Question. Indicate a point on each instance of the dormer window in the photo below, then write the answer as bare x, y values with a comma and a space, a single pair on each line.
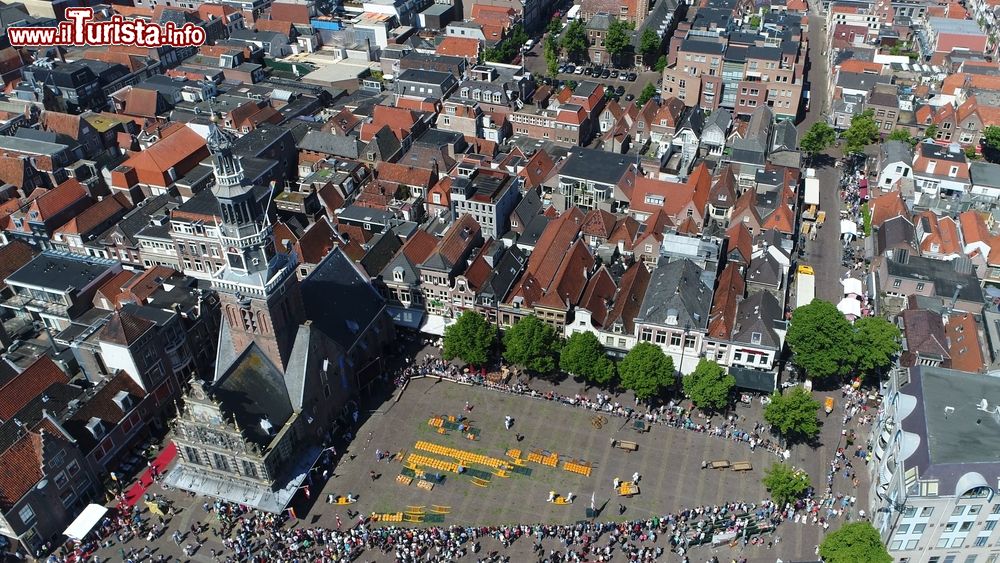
755, 338
124, 401
397, 274
96, 427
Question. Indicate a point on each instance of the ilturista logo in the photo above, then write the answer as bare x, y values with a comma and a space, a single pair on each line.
80, 30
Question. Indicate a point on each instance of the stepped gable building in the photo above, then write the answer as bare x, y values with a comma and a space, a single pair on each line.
250, 432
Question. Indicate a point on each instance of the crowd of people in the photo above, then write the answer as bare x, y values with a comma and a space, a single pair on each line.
673, 414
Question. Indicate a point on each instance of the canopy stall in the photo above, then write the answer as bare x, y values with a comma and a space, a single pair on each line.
850, 307
848, 228
86, 522
852, 286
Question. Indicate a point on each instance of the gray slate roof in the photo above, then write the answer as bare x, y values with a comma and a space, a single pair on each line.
340, 300
347, 146
755, 320
677, 289
896, 151
985, 174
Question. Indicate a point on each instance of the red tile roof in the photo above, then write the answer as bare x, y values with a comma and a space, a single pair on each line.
728, 294
887, 206
419, 247
598, 297
94, 216
551, 250
963, 342
124, 329
179, 148
28, 385
112, 290
147, 283
399, 120
405, 174
462, 234
13, 256
459, 47
318, 240
599, 223
20, 469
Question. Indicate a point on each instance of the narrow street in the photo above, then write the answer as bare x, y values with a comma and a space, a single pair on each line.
826, 252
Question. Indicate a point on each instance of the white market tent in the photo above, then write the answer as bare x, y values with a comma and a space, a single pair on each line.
812, 191
852, 286
86, 521
850, 307
848, 227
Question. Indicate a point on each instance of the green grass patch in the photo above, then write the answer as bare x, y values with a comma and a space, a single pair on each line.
866, 217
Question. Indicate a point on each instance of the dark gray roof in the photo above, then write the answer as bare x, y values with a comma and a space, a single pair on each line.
677, 289
785, 136
704, 47
954, 443
533, 231
504, 275
721, 118
766, 53
765, 270
753, 379
896, 151
742, 156
755, 320
693, 119
252, 390
347, 146
529, 206
945, 275
600, 22
340, 300
985, 174
595, 165
951, 153
61, 271
425, 76
895, 233
386, 143
736, 54
861, 81
135, 220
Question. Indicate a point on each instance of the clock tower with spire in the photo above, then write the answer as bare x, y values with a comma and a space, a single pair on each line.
260, 296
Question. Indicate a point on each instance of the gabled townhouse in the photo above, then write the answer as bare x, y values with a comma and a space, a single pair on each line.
683, 203
675, 311
90, 223
119, 241
556, 274
941, 171
715, 132
894, 163
758, 337
400, 279
729, 291
900, 274
449, 259
38, 218
611, 317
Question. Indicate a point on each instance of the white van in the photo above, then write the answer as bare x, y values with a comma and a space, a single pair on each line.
529, 44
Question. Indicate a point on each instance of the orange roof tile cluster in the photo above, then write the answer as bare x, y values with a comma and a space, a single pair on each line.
399, 120
13, 256
677, 197
964, 346
179, 148
887, 206
459, 47
730, 289
939, 234
555, 275
28, 385
96, 215
20, 469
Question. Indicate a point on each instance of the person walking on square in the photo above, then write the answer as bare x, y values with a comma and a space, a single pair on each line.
508, 422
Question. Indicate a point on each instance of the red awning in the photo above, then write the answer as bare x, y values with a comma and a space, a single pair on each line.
863, 183
863, 192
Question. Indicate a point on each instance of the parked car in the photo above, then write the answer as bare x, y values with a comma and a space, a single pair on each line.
632, 76
620, 90
614, 74
579, 70
605, 73
562, 69
588, 72
629, 97
569, 69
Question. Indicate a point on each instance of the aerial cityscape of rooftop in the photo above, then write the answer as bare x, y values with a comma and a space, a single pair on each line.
500, 281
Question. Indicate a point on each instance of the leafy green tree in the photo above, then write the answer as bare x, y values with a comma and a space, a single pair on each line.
661, 63
583, 355
786, 484
469, 339
991, 137
574, 40
876, 343
817, 138
793, 414
991, 143
554, 27
649, 44
646, 370
619, 38
900, 135
532, 344
551, 52
857, 541
931, 132
709, 386
820, 339
862, 132
755, 21
647, 94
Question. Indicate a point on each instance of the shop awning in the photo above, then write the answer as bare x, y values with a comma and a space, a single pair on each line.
754, 379
848, 227
407, 318
852, 286
435, 324
849, 306
86, 522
